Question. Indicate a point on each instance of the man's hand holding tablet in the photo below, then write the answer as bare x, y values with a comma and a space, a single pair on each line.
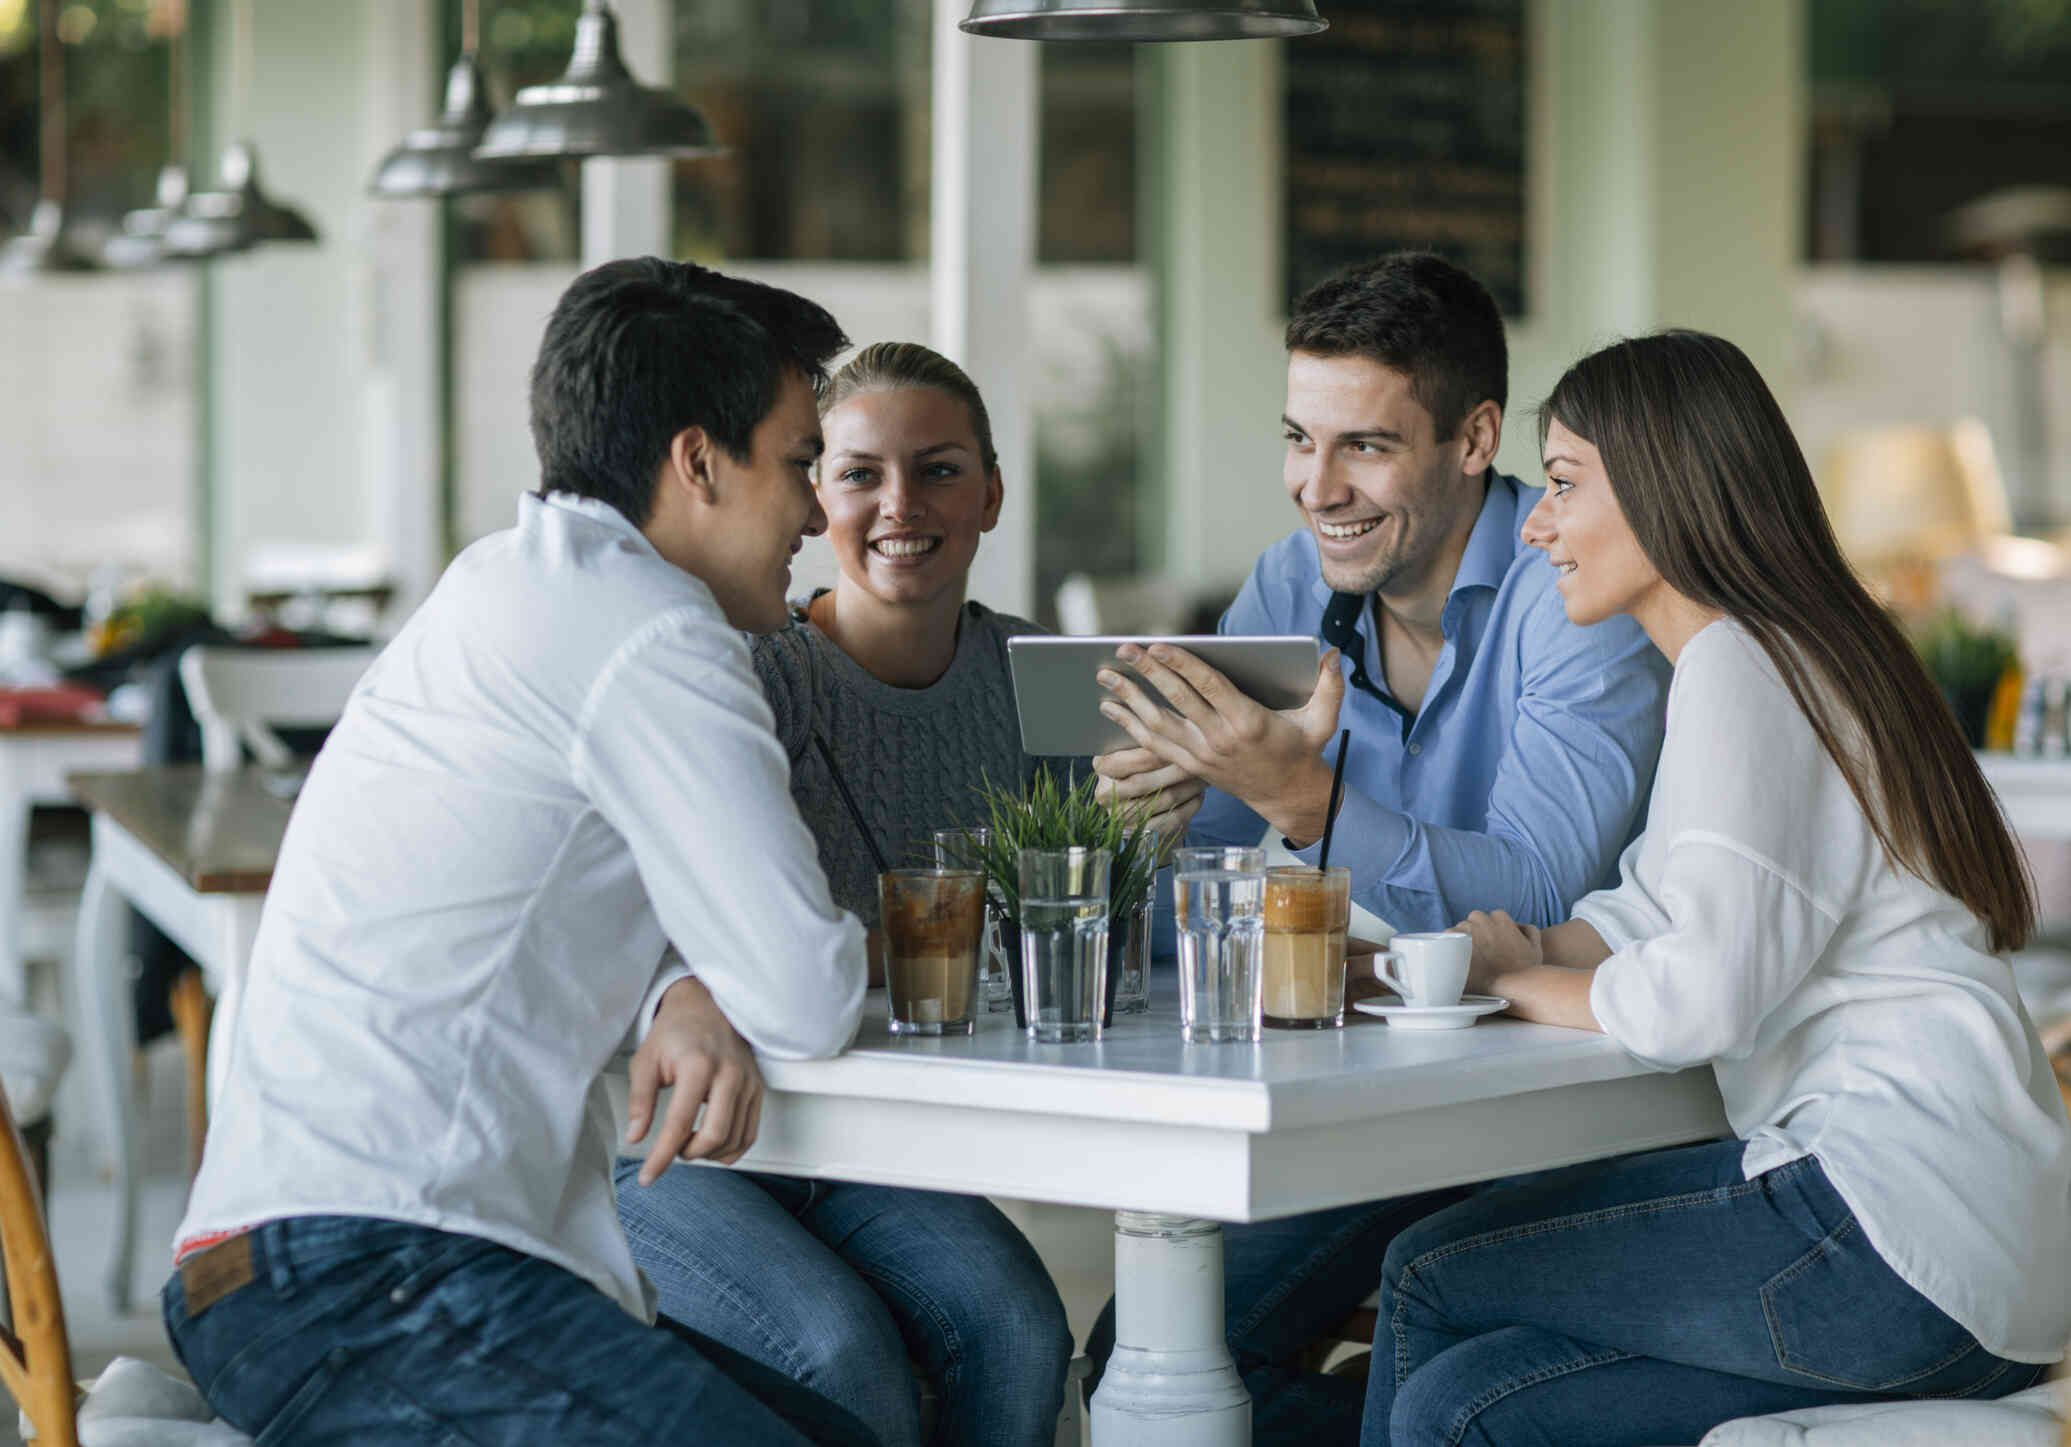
1209, 731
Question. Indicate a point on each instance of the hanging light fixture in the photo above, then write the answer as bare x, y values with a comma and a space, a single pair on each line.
1143, 19
439, 159
237, 215
49, 244
141, 241
597, 108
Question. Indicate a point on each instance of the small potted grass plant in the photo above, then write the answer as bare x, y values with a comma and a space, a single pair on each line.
1050, 815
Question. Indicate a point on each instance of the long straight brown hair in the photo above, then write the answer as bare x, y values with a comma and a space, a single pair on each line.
1718, 494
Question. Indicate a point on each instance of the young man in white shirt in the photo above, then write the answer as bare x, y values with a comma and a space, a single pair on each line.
552, 827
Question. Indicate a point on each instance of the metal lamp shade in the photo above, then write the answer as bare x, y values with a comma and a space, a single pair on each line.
48, 245
236, 217
440, 159
141, 242
1143, 19
597, 108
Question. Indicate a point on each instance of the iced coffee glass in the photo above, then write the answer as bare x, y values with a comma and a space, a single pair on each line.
933, 927
1307, 912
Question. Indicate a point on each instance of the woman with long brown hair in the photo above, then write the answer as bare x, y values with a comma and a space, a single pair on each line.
1819, 910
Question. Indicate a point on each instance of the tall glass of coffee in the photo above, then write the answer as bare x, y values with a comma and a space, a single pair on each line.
1307, 914
933, 925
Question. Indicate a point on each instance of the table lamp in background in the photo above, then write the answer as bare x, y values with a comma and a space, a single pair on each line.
1905, 498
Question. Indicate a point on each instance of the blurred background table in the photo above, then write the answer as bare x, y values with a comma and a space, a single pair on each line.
34, 760
193, 851
2034, 792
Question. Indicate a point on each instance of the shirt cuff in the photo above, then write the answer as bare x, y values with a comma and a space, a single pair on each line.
1368, 838
1618, 929
669, 975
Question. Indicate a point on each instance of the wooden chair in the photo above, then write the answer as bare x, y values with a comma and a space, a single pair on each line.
36, 1355
239, 695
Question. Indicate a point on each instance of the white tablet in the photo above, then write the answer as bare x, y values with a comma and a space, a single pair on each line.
1059, 700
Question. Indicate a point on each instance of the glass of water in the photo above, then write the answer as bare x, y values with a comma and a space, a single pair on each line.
1064, 942
965, 849
1219, 897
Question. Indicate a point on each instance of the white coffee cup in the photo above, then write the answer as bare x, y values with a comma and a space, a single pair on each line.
1430, 970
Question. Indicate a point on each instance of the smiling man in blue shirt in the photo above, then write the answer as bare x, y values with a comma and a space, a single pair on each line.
1500, 755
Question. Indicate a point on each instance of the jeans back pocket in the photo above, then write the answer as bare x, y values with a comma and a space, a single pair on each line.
1839, 1315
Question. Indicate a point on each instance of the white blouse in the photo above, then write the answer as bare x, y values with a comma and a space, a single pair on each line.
1850, 1010
552, 796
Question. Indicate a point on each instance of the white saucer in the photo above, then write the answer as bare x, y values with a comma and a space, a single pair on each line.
1432, 1017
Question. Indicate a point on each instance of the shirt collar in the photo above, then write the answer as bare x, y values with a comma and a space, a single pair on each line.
595, 509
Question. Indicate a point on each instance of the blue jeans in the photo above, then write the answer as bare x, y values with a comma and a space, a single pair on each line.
843, 1287
356, 1330
1646, 1300
1286, 1283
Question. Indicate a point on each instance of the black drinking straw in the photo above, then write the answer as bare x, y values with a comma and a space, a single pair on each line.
1337, 793
855, 811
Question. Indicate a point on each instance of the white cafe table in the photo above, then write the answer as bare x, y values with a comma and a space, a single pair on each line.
34, 760
1174, 1138
2034, 792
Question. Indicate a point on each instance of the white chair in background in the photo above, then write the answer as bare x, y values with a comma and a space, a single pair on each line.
240, 694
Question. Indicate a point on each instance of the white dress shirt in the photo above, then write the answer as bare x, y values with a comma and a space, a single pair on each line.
1850, 1010
561, 767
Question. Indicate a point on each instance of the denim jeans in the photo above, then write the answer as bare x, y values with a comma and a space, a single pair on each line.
355, 1330
843, 1286
1646, 1300
1286, 1283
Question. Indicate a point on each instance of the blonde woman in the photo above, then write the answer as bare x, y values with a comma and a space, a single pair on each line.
906, 681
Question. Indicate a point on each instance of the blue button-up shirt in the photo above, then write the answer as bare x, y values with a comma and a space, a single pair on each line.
1527, 769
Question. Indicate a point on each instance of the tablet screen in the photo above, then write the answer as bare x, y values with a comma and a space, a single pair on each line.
1059, 699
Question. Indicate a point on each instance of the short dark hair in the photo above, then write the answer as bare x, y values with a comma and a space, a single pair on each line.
1419, 315
638, 350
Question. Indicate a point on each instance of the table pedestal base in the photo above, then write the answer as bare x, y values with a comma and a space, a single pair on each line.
1170, 1382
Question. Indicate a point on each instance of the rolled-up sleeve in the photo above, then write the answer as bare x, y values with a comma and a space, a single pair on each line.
1740, 937
676, 752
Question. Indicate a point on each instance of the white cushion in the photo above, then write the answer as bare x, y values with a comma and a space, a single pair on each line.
134, 1404
2033, 1418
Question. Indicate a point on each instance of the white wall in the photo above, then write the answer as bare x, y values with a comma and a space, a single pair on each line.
321, 374
97, 408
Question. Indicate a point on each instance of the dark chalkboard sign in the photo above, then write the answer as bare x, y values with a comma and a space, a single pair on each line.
1405, 130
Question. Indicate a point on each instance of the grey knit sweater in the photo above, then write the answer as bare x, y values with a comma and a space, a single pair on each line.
912, 756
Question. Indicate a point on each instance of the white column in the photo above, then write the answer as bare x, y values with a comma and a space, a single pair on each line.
399, 285
1226, 373
982, 238
1170, 1381
625, 199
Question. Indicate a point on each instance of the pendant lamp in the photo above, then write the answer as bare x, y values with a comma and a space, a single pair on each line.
49, 244
597, 108
1143, 19
237, 215
141, 241
439, 159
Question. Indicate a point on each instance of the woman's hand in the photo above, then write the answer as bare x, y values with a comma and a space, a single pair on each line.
1501, 946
